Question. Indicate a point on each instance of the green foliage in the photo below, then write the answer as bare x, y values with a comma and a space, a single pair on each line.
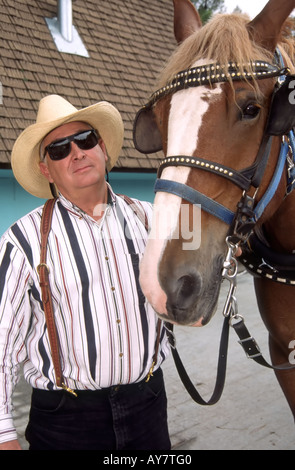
207, 8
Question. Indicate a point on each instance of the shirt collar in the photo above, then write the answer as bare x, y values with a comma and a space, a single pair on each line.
79, 212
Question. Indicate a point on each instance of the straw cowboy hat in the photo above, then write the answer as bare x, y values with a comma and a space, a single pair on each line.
53, 112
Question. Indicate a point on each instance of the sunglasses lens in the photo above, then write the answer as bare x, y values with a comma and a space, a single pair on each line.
59, 150
85, 140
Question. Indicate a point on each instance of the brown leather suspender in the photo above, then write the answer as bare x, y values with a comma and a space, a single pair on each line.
43, 272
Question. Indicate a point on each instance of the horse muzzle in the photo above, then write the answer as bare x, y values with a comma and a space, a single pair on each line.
191, 295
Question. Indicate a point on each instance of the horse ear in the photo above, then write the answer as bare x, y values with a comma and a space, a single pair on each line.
146, 135
186, 19
266, 27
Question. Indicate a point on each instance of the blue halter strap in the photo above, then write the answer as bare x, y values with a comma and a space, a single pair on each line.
195, 197
218, 210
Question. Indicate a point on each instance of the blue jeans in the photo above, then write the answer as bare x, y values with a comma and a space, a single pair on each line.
127, 417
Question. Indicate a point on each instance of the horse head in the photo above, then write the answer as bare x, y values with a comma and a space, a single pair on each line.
218, 117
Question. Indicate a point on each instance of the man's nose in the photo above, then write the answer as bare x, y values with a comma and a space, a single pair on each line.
76, 152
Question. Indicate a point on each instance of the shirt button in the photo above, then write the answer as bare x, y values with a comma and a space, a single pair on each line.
118, 321
121, 354
107, 258
112, 288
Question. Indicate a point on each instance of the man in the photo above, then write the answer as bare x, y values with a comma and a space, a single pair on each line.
107, 337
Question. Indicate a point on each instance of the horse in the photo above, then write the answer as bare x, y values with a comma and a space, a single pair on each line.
223, 115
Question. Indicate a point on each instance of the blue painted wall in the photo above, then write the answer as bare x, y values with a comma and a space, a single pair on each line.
16, 202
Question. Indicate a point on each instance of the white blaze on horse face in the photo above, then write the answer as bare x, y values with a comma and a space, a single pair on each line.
188, 108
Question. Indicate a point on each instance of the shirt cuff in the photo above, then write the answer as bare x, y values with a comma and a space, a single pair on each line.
7, 429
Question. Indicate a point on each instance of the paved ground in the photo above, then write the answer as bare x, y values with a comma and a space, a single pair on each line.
252, 413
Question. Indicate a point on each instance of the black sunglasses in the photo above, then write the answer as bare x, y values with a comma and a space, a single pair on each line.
60, 149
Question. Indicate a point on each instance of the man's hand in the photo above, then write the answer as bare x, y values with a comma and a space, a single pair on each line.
10, 445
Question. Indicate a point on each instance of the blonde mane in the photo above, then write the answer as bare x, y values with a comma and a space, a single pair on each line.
224, 38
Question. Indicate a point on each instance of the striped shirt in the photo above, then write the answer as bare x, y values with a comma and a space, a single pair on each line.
106, 328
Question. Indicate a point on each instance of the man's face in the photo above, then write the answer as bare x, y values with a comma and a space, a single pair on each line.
81, 169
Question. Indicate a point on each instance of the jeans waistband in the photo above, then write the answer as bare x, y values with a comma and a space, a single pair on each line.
157, 376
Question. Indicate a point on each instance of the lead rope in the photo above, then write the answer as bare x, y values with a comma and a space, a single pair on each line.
229, 272
221, 368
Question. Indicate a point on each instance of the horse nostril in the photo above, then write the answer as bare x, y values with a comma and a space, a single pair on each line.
187, 291
186, 285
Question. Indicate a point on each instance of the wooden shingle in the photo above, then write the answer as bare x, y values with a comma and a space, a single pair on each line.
128, 43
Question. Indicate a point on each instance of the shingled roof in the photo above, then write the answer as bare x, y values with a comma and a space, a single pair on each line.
128, 42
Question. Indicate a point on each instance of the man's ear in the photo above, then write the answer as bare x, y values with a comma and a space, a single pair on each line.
45, 171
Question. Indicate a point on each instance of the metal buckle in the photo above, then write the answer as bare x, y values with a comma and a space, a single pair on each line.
229, 272
171, 336
40, 265
254, 345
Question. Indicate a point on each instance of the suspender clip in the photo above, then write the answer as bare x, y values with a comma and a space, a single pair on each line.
150, 374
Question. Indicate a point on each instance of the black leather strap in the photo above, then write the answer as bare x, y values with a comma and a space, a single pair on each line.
249, 345
252, 349
221, 369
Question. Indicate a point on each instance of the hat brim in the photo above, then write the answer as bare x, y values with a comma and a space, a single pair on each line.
25, 157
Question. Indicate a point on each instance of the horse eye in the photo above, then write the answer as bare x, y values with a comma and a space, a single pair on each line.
250, 112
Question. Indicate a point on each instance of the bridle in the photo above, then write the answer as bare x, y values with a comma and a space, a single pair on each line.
248, 213
242, 223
